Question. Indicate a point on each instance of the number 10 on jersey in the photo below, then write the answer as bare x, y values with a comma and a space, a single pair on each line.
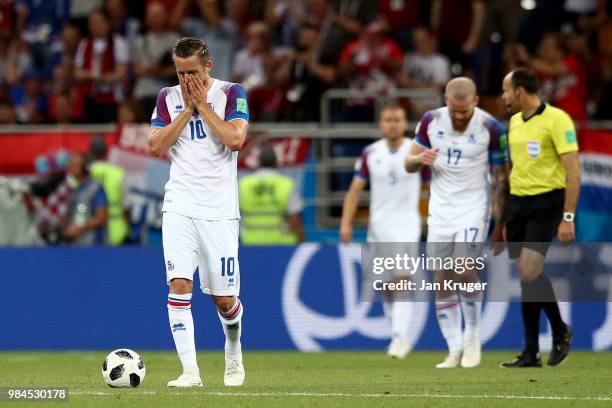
197, 130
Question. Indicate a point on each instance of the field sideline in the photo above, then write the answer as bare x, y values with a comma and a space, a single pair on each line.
361, 379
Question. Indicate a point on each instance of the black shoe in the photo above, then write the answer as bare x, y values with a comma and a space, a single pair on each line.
524, 360
561, 348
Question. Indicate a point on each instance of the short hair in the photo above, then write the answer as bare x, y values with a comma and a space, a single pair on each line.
188, 46
267, 158
392, 107
526, 79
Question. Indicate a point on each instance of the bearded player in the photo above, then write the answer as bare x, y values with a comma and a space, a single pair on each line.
202, 122
394, 210
460, 143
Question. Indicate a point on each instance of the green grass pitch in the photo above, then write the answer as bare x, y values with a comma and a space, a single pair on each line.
291, 379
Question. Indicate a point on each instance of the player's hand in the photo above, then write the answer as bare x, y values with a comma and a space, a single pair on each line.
498, 239
566, 232
73, 231
428, 156
183, 80
346, 234
198, 92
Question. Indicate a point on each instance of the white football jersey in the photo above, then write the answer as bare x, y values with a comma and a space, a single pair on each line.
394, 193
203, 174
460, 175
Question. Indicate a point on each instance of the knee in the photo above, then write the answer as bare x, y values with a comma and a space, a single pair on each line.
224, 303
527, 273
181, 286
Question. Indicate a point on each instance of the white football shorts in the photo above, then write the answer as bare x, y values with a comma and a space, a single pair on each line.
211, 246
460, 241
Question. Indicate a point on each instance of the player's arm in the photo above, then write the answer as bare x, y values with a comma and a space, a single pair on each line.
231, 133
419, 156
501, 177
162, 138
165, 132
566, 232
349, 208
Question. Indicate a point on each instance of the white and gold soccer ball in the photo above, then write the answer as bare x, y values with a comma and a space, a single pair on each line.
123, 368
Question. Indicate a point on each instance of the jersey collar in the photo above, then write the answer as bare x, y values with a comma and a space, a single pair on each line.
537, 112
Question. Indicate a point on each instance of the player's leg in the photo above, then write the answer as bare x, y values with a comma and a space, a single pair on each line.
401, 312
220, 277
180, 246
448, 314
448, 311
471, 245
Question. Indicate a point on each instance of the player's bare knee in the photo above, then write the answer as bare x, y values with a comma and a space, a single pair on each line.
224, 303
181, 286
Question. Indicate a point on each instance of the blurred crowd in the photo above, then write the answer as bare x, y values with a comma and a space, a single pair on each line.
99, 61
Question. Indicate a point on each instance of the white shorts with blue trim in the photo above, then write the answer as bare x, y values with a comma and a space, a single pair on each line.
210, 246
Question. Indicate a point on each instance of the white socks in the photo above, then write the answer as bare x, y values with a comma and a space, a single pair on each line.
401, 312
231, 322
181, 324
471, 305
448, 313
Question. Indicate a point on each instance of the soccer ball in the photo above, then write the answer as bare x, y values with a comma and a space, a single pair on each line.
123, 368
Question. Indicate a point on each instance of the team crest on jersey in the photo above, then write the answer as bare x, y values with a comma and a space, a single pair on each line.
440, 134
178, 108
471, 139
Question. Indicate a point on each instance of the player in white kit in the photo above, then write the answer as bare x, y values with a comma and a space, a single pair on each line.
460, 143
203, 122
394, 207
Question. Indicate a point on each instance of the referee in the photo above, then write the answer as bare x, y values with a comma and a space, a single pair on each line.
544, 187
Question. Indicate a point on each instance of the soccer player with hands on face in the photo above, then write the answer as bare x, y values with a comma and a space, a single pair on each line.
202, 122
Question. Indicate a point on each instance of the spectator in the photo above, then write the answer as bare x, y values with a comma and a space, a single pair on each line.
267, 101
152, 53
308, 72
370, 63
603, 97
87, 213
345, 19
284, 17
270, 206
401, 17
39, 23
101, 69
458, 25
120, 22
585, 15
61, 111
425, 68
31, 103
563, 76
112, 179
221, 34
131, 112
14, 60
7, 113
249, 63
63, 56
7, 17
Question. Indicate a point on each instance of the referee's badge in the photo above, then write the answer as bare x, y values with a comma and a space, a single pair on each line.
533, 148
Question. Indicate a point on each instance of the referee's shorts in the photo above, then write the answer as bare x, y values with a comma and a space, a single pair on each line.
532, 221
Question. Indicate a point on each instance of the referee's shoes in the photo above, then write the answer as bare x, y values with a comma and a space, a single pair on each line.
559, 352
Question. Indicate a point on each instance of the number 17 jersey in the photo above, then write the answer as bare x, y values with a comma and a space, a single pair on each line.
460, 174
